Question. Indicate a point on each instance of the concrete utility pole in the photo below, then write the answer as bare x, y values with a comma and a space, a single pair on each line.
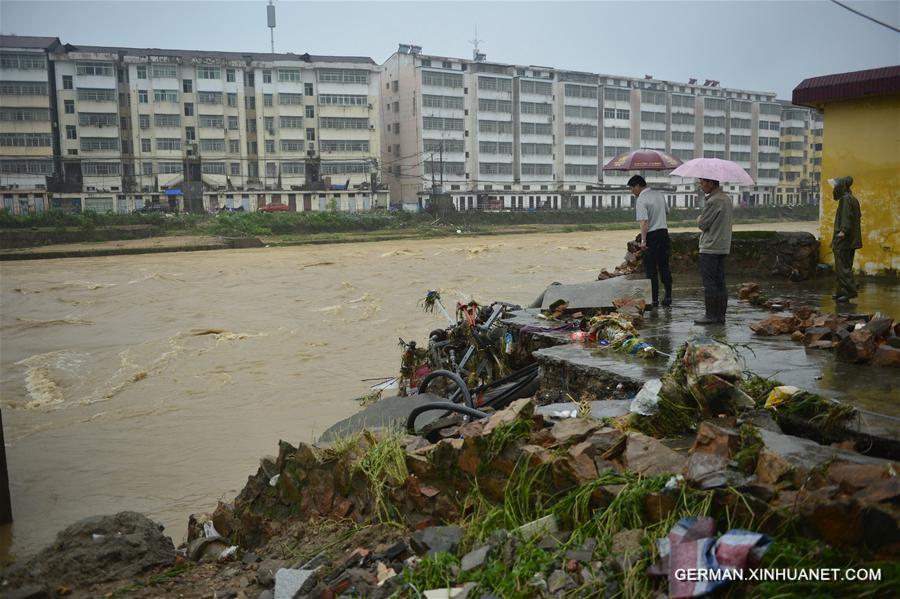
442, 165
5, 504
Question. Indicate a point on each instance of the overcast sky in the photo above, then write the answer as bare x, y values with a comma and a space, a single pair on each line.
747, 44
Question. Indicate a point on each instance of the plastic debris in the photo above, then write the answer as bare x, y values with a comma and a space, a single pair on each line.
692, 544
209, 530
780, 395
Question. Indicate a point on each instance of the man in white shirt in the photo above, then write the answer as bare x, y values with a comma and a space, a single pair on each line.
650, 209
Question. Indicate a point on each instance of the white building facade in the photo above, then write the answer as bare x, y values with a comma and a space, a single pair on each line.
498, 136
203, 130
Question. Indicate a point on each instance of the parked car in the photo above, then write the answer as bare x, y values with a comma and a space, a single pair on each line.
275, 208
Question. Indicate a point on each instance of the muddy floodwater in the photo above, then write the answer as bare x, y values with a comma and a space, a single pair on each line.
155, 382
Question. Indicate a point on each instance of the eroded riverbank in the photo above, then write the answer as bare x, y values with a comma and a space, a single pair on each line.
155, 382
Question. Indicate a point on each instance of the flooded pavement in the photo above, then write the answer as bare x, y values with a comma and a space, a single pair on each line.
866, 386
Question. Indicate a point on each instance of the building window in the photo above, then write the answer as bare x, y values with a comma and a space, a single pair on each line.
166, 120
232, 100
344, 146
144, 121
292, 75
141, 71
229, 75
212, 121
164, 71
71, 132
250, 103
101, 69
291, 122
165, 95
67, 82
270, 146
169, 168
234, 146
168, 144
147, 168
212, 145
287, 99
267, 76
344, 76
267, 99
188, 109
145, 145
311, 134
308, 89
190, 134
143, 98
233, 123
187, 86
209, 73
69, 106
310, 112
209, 97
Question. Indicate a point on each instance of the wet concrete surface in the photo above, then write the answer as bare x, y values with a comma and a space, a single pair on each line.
865, 386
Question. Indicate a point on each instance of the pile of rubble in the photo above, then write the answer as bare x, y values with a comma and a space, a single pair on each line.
632, 264
855, 338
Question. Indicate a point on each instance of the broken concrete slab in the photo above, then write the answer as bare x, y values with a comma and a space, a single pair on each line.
786, 455
290, 582
611, 408
598, 294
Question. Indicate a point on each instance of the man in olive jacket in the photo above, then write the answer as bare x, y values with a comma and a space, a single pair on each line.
715, 222
847, 238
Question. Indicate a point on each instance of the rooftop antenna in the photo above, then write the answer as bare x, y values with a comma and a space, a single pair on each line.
476, 55
270, 14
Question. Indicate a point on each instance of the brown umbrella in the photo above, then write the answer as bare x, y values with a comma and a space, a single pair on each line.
642, 160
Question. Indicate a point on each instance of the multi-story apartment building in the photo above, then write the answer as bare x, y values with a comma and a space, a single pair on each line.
510, 136
211, 129
27, 120
801, 155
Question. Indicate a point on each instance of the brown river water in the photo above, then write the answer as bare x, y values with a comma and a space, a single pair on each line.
155, 382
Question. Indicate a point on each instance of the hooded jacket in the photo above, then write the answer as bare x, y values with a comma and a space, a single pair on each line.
846, 217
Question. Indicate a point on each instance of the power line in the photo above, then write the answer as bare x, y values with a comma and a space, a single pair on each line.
865, 16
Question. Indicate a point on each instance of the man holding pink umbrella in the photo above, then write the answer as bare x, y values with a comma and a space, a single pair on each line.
715, 222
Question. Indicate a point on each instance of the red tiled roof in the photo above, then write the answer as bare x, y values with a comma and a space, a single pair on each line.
814, 91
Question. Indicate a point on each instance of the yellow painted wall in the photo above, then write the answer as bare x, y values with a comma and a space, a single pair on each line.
862, 139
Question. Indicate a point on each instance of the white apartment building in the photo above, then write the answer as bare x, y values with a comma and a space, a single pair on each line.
525, 137
208, 130
26, 127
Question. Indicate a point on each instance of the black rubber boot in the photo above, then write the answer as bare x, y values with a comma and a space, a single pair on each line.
711, 316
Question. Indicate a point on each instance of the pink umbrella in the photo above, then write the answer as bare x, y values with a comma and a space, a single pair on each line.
715, 169
642, 160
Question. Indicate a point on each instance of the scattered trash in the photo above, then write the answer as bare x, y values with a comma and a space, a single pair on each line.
228, 552
274, 480
209, 529
691, 544
779, 395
